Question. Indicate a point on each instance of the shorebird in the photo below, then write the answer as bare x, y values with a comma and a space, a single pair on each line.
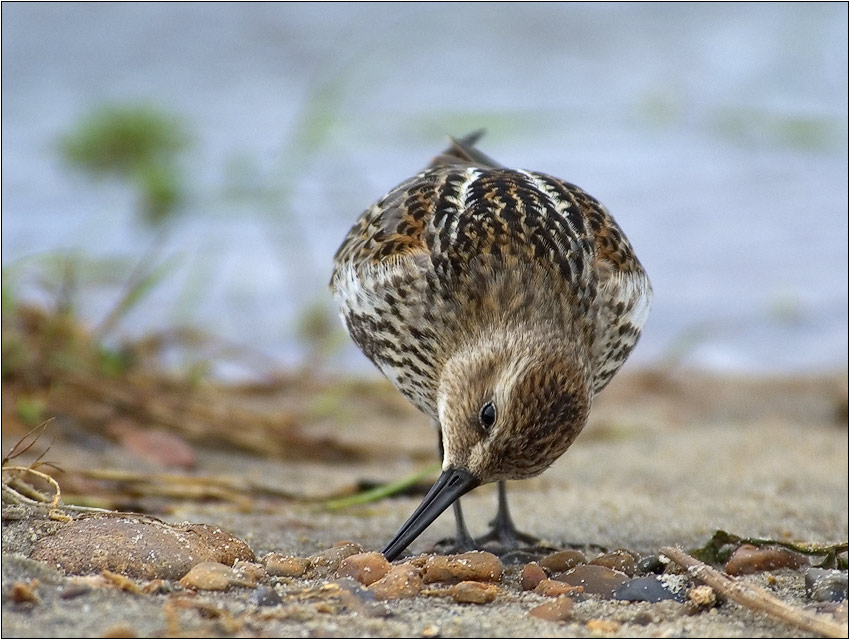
499, 302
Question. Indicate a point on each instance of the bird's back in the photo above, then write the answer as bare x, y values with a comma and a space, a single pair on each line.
467, 246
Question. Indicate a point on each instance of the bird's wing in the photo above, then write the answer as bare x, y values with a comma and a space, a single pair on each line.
623, 291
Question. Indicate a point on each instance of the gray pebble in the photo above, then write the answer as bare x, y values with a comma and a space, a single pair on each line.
826, 585
265, 597
650, 564
645, 589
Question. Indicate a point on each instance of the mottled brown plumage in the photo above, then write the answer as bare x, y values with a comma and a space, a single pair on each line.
472, 285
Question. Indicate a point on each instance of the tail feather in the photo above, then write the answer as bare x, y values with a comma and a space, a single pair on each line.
462, 152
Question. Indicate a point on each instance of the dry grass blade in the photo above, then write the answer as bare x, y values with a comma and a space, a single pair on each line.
754, 598
27, 441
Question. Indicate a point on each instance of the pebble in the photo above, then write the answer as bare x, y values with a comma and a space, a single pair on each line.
594, 579
651, 564
473, 592
137, 547
250, 573
556, 611
359, 600
431, 631
402, 581
645, 589
554, 588
562, 560
826, 585
479, 566
366, 568
750, 559
280, 565
209, 576
702, 596
619, 560
74, 590
265, 597
531, 576
327, 562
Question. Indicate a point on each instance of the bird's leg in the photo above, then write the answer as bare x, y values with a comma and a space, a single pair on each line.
463, 541
504, 530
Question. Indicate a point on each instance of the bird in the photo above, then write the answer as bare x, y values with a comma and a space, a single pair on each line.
499, 302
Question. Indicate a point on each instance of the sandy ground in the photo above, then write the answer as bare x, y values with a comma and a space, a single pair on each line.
667, 459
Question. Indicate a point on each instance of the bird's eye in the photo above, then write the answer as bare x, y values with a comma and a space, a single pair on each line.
487, 415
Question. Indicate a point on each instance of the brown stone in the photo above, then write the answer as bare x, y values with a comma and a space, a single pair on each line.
138, 547
402, 581
366, 568
618, 561
562, 560
209, 576
750, 559
277, 564
558, 610
531, 576
327, 561
594, 579
249, 574
479, 566
554, 588
473, 592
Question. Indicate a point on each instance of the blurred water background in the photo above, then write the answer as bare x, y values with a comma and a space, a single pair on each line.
715, 133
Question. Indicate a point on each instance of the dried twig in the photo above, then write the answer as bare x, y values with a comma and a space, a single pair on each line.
755, 598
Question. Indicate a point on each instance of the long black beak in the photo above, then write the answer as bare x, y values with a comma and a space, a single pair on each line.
450, 486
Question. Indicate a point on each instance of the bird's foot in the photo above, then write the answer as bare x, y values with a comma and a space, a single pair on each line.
511, 545
458, 544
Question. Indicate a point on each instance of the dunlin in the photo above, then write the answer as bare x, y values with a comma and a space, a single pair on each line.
499, 302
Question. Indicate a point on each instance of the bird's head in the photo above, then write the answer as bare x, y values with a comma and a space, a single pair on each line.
509, 405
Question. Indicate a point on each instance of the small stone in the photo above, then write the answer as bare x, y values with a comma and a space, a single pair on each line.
265, 597
531, 576
558, 610
327, 562
280, 565
645, 589
562, 560
249, 573
402, 581
603, 626
473, 592
431, 631
750, 559
826, 585
358, 599
366, 568
702, 596
479, 566
619, 560
23, 592
554, 588
74, 589
594, 579
651, 564
209, 576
